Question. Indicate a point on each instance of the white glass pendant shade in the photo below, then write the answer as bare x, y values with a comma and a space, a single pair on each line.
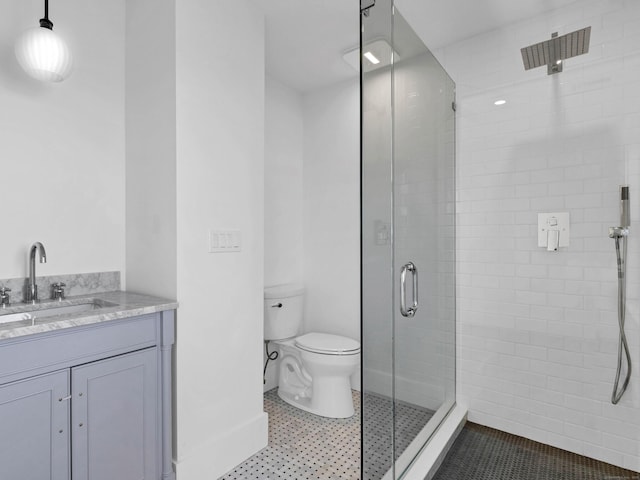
43, 55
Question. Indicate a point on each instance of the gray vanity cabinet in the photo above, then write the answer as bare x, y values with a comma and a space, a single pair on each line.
90, 402
113, 413
38, 406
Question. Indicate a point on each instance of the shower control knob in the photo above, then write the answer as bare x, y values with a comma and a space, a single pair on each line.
276, 305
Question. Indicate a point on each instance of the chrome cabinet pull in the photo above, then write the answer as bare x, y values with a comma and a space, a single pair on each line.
411, 311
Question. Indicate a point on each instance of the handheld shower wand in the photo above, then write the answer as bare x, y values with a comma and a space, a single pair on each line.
619, 234
625, 216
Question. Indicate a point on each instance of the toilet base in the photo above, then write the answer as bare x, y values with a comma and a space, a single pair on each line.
305, 403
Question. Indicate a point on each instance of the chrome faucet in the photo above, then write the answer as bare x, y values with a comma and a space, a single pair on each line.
32, 288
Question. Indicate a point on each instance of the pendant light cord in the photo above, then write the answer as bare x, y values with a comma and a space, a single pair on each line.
45, 22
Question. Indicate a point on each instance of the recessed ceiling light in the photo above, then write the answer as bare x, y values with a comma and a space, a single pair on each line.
499, 102
377, 54
371, 57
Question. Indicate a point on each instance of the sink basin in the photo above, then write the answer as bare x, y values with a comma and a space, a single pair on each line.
30, 313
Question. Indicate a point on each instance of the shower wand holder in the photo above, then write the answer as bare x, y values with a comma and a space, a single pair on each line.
618, 232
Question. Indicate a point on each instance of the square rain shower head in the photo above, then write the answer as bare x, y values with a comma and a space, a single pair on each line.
554, 51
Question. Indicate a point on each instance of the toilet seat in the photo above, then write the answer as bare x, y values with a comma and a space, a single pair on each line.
327, 344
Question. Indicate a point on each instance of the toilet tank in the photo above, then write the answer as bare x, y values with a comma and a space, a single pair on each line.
283, 311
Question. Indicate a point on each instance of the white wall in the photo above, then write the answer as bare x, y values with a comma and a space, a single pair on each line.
537, 331
63, 155
283, 208
331, 209
220, 185
195, 162
151, 148
312, 189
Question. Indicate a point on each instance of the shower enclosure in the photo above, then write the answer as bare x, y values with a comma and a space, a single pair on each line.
408, 242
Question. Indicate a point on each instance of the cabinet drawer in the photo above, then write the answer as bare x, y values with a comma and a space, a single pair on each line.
32, 355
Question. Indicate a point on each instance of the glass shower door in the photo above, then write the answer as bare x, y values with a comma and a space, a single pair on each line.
408, 243
377, 244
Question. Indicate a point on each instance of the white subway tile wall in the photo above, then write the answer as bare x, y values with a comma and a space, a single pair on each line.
537, 330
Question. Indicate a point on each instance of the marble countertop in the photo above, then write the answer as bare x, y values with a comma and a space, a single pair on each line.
117, 305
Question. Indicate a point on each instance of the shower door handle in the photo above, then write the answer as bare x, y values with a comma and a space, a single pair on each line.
411, 311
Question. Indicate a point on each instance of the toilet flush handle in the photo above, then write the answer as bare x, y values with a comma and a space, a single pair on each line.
276, 305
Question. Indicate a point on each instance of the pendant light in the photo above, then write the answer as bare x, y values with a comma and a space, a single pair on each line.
42, 53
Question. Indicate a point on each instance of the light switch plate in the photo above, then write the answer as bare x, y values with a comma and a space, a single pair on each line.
553, 221
221, 241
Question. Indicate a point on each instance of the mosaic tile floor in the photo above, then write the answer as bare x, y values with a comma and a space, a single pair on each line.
410, 420
303, 446
482, 453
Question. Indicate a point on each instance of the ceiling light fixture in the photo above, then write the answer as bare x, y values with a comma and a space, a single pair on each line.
499, 102
42, 53
371, 57
378, 54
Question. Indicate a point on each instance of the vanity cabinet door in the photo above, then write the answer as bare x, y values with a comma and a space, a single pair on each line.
114, 418
34, 434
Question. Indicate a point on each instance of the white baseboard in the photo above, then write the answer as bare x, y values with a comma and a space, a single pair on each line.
222, 453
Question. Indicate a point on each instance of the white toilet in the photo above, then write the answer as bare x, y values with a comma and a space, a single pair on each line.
314, 367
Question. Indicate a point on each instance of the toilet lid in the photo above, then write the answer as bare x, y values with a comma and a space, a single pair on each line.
328, 344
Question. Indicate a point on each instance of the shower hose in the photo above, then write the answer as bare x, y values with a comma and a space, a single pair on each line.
617, 393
